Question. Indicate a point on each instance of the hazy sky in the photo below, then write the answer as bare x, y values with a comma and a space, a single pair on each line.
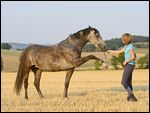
51, 22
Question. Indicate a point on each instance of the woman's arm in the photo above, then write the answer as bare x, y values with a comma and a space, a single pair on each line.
116, 51
132, 57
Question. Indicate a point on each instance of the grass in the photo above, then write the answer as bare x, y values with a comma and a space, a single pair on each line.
10, 60
142, 50
88, 91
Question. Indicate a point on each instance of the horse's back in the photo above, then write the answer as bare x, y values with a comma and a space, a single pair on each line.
52, 58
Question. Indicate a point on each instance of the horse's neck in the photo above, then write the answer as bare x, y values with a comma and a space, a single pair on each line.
75, 42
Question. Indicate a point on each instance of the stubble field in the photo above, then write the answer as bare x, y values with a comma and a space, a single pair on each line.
88, 91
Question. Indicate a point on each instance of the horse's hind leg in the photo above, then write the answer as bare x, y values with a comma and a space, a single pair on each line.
67, 80
26, 83
37, 73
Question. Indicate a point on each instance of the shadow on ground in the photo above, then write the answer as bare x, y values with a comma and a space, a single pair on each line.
114, 89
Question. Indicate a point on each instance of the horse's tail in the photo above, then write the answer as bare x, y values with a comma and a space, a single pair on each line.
19, 80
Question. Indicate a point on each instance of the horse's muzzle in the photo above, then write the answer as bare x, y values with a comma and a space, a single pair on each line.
104, 49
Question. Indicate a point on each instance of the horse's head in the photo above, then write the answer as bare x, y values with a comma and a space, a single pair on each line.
95, 38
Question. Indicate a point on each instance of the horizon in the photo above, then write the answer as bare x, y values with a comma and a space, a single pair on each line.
61, 40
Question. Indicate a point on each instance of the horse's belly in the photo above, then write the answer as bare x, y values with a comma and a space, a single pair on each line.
59, 65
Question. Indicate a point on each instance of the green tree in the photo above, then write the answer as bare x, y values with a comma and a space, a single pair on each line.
89, 48
114, 43
5, 46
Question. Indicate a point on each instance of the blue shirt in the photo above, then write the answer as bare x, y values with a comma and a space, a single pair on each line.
127, 53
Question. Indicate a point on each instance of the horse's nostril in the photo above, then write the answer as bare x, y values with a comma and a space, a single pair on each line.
105, 48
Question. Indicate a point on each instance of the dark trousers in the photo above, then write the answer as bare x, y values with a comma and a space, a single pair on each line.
127, 77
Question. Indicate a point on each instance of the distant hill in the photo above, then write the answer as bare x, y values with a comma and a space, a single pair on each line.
16, 46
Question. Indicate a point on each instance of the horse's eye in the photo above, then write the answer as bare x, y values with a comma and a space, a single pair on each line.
97, 36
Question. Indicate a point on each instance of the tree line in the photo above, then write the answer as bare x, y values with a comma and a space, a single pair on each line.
114, 43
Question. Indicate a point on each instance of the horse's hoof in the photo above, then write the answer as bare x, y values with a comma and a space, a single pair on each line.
26, 98
102, 61
132, 98
65, 97
41, 96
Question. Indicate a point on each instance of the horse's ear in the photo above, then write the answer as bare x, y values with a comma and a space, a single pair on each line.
90, 28
70, 34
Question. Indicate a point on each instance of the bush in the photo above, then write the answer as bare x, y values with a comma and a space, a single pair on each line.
143, 62
114, 62
121, 59
114, 43
117, 60
97, 65
2, 64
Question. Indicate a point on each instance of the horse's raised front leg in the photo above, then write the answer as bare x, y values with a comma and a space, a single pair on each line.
85, 59
67, 80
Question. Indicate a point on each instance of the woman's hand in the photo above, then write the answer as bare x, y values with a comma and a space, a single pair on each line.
108, 51
124, 63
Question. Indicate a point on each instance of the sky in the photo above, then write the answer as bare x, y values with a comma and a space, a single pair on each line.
49, 22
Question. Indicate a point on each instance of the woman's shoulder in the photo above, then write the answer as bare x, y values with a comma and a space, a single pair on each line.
130, 46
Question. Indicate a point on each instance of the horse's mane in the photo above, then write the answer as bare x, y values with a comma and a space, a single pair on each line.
79, 35
84, 32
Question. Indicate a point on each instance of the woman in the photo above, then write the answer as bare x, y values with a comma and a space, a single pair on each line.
129, 64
